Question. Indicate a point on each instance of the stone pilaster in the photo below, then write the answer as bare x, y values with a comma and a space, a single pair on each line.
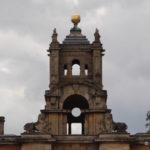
69, 73
82, 72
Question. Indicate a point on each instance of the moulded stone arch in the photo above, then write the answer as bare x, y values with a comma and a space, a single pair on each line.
72, 91
75, 101
75, 61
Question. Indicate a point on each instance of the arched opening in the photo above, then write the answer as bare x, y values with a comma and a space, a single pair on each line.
75, 101
75, 67
75, 117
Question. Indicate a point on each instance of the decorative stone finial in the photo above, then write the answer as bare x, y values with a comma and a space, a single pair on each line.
54, 36
54, 45
97, 42
75, 19
54, 31
97, 36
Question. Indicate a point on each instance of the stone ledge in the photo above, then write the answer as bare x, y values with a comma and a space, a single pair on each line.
44, 138
9, 139
140, 138
75, 139
83, 111
113, 137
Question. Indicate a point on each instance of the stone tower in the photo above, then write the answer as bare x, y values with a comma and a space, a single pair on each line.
75, 97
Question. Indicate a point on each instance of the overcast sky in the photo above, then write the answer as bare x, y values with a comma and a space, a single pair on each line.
25, 33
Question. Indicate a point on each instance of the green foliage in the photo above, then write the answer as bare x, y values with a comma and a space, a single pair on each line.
148, 121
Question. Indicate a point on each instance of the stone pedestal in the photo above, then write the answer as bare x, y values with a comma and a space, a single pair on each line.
2, 120
114, 142
36, 142
36, 146
114, 146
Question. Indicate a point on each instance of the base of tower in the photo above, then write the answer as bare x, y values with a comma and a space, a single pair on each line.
113, 141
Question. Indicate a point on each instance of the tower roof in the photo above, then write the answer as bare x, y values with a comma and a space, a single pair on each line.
75, 36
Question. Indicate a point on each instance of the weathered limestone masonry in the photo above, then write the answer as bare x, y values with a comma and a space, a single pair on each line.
75, 98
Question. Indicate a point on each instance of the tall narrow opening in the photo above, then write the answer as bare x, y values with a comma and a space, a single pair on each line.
86, 70
65, 70
76, 128
75, 116
75, 67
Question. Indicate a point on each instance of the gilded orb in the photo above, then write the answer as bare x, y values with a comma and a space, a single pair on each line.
75, 18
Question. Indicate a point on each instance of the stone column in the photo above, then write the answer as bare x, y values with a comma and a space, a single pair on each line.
82, 128
69, 73
82, 70
69, 128
2, 120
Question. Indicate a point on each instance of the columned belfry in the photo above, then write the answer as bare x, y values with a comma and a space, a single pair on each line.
75, 84
76, 110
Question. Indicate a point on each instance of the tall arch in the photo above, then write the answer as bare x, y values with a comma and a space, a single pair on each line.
76, 67
79, 103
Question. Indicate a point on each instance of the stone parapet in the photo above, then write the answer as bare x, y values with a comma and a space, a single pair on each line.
37, 142
114, 141
140, 138
114, 137
75, 139
42, 138
9, 139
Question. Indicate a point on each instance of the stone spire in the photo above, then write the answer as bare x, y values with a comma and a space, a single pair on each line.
54, 36
97, 42
97, 36
54, 45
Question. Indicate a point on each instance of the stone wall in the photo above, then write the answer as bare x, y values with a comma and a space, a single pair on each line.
36, 146
114, 146
10, 147
75, 146
140, 147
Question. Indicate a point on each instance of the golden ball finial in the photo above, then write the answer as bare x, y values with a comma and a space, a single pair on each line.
75, 18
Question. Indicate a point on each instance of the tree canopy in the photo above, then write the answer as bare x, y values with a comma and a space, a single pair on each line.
148, 121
